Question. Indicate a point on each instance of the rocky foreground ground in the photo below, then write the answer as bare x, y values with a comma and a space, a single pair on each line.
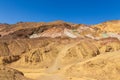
60, 51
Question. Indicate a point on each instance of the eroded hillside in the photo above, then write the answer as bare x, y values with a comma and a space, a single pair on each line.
60, 51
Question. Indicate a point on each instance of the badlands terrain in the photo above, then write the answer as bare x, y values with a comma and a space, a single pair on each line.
60, 51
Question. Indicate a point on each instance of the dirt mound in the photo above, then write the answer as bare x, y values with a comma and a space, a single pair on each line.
102, 67
11, 74
83, 50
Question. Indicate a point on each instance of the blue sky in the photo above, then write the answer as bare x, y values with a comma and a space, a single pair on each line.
75, 11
